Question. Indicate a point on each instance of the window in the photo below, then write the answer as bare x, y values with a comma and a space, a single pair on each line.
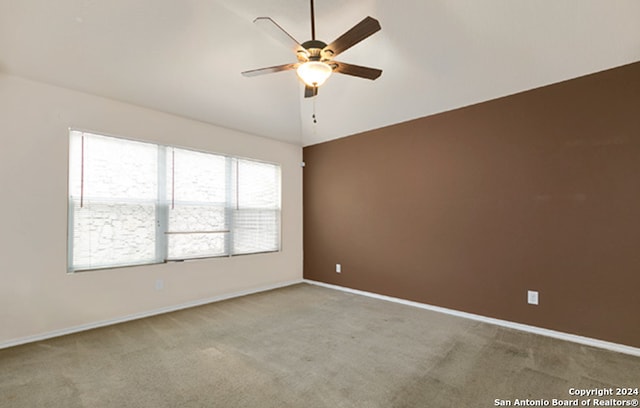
136, 203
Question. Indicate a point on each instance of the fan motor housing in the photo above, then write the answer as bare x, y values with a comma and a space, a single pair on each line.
315, 48
311, 44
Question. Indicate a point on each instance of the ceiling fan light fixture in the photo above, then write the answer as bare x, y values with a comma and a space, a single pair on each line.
314, 73
315, 58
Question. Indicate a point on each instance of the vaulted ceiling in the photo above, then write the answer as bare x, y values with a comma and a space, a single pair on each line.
185, 56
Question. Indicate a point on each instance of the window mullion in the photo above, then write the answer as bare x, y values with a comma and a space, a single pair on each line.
230, 202
162, 206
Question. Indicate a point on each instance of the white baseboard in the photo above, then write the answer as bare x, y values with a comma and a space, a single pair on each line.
135, 316
620, 348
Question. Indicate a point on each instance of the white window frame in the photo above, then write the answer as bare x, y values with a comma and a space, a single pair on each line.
162, 207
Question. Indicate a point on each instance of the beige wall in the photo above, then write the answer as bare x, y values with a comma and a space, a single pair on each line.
37, 296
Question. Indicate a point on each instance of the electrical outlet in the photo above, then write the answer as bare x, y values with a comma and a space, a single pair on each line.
532, 297
338, 268
159, 284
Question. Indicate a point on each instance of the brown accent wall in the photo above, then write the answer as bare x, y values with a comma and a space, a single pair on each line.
470, 208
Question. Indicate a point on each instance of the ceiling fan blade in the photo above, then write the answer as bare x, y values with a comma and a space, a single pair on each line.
269, 70
357, 33
310, 91
356, 70
279, 34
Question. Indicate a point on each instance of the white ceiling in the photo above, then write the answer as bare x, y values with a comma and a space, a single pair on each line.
185, 56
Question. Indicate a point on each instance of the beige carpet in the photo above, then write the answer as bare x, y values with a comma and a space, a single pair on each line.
303, 346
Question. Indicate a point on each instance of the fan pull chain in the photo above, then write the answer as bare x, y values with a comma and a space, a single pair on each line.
315, 121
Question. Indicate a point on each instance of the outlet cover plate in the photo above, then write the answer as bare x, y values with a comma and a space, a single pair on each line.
532, 297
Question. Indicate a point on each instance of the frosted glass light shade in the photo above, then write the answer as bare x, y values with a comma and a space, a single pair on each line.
314, 73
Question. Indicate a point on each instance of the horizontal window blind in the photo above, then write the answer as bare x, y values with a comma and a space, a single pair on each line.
257, 213
112, 195
138, 203
198, 225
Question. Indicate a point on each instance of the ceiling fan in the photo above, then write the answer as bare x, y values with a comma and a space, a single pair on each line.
315, 58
